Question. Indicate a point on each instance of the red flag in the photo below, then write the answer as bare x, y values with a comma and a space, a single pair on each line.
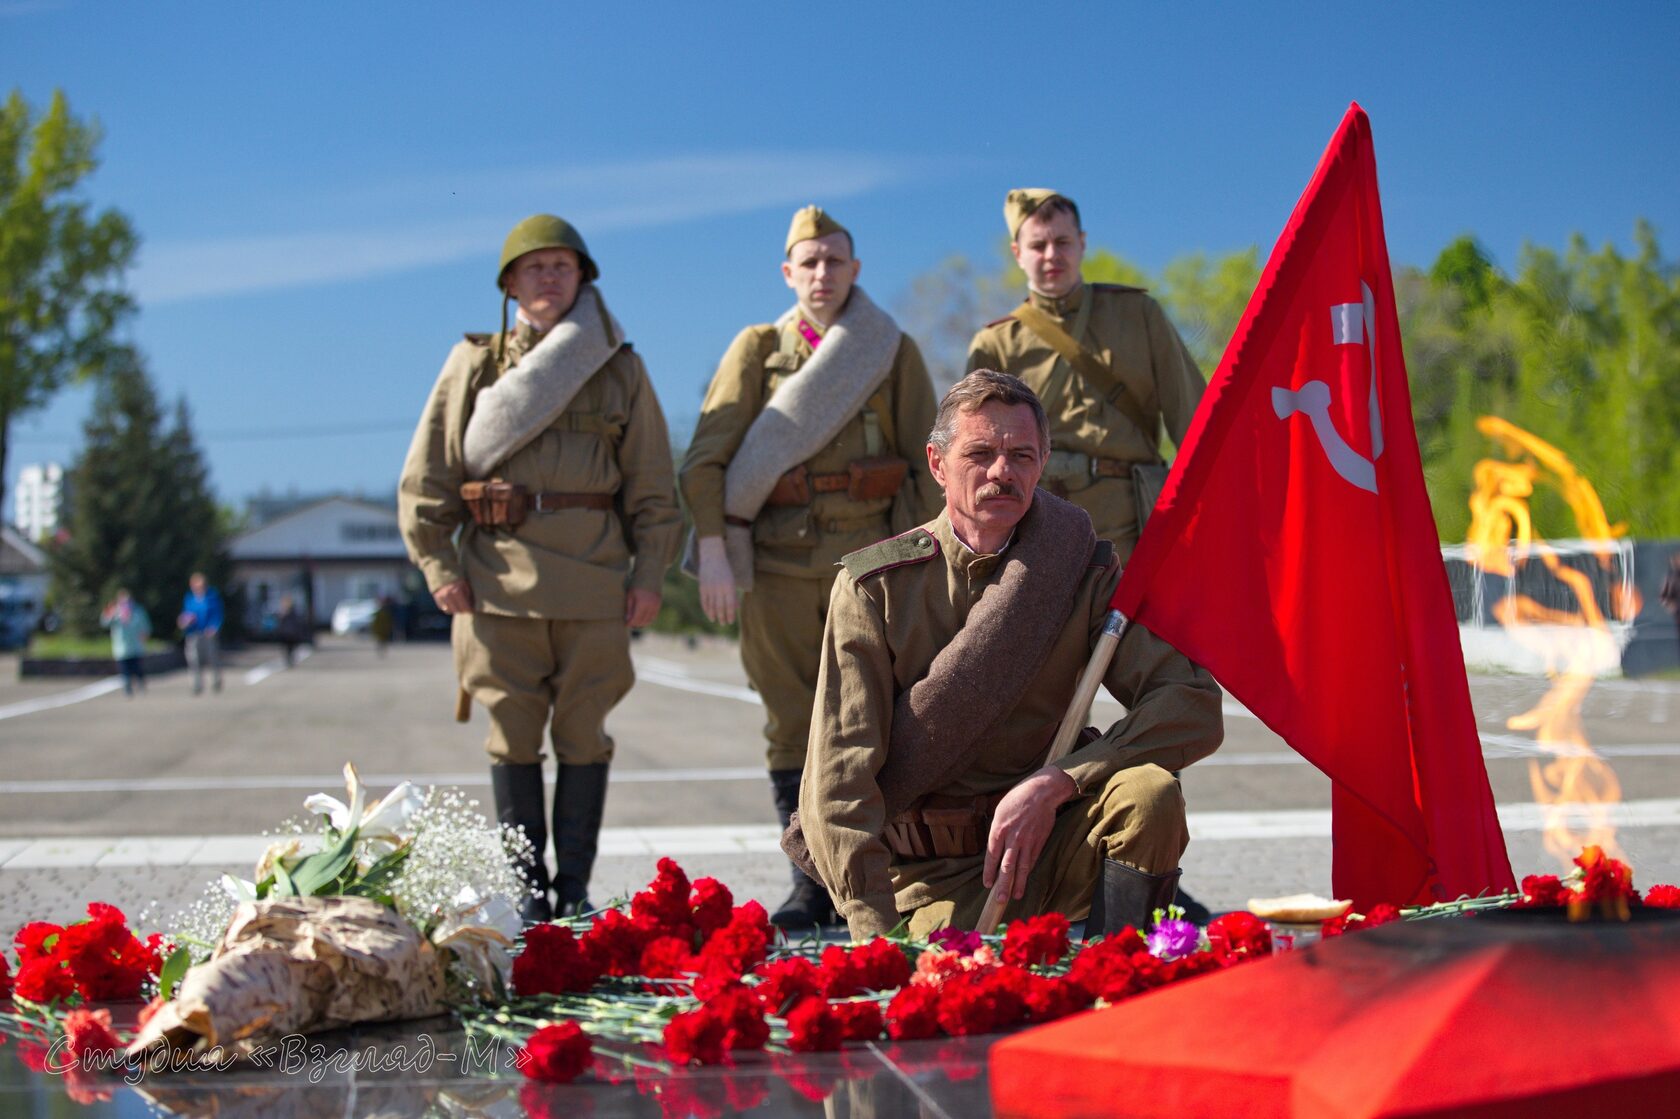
1293, 553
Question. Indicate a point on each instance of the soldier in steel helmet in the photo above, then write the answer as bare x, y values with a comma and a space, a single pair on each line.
1108, 365
538, 501
809, 445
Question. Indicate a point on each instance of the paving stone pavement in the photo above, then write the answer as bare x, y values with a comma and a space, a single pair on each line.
160, 773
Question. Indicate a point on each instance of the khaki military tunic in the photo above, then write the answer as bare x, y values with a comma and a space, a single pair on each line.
884, 629
1131, 336
796, 548
547, 644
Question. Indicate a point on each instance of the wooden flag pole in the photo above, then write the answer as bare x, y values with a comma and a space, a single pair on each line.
1073, 721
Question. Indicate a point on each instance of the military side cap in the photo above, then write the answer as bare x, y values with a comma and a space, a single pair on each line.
545, 231
809, 224
1019, 205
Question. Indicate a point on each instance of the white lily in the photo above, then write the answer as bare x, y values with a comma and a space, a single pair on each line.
238, 888
277, 853
480, 930
384, 825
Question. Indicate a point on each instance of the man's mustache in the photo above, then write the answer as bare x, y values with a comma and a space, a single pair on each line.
997, 489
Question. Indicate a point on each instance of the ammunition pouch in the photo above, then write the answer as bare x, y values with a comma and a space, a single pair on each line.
792, 488
872, 479
496, 504
942, 827
864, 479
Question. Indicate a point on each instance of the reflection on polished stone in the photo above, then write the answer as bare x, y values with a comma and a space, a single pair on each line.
430, 1069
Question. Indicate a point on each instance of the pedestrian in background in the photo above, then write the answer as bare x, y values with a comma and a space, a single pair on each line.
290, 628
1670, 594
130, 626
384, 624
201, 621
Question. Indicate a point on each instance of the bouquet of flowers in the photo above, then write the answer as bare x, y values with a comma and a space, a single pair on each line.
407, 906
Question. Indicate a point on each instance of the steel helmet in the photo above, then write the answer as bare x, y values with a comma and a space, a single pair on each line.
545, 231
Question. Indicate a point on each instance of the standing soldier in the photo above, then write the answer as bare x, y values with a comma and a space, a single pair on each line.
1109, 367
1104, 359
809, 446
538, 501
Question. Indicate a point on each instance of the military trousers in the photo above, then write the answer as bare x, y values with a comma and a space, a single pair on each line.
539, 674
782, 621
1137, 819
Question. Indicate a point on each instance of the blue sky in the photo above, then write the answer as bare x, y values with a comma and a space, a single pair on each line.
323, 189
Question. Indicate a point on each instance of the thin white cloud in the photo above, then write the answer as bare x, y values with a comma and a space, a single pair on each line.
601, 198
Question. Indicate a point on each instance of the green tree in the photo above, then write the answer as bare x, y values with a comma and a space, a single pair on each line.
61, 263
141, 511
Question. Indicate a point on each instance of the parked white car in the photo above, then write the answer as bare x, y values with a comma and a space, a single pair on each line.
354, 615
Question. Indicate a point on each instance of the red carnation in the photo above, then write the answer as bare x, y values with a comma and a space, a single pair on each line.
558, 1053
742, 1015
1105, 970
667, 957
782, 981
913, 1013
1381, 913
615, 943
979, 1002
696, 1036
32, 940
743, 942
553, 963
1050, 998
839, 978
88, 1034
1605, 882
859, 1021
814, 1026
881, 965
1036, 940
43, 979
1542, 890
710, 905
1240, 936
663, 906
1663, 897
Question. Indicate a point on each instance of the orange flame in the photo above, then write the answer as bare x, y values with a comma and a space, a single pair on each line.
1575, 782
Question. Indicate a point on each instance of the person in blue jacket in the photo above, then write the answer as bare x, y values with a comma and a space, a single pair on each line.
201, 621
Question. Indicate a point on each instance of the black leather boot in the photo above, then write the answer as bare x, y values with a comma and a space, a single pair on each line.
1127, 896
580, 799
518, 792
808, 905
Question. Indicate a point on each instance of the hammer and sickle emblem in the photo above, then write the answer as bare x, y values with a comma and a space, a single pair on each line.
1351, 326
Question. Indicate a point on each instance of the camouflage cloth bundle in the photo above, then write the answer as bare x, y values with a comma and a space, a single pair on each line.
300, 965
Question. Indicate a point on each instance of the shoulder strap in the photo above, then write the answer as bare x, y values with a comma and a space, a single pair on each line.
1111, 386
916, 546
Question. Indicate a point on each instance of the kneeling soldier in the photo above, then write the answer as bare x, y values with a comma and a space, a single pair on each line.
950, 655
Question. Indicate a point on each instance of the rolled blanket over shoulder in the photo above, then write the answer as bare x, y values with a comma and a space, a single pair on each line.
943, 721
526, 399
805, 413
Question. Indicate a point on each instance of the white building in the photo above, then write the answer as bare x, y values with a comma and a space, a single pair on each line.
321, 554
38, 499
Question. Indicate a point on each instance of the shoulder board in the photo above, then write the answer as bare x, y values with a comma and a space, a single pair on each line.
1120, 287
479, 339
1000, 322
915, 546
1103, 554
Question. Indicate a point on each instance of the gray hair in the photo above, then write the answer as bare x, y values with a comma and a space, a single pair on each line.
981, 387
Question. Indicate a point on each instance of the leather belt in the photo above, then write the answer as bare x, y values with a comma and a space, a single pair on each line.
830, 483
554, 502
